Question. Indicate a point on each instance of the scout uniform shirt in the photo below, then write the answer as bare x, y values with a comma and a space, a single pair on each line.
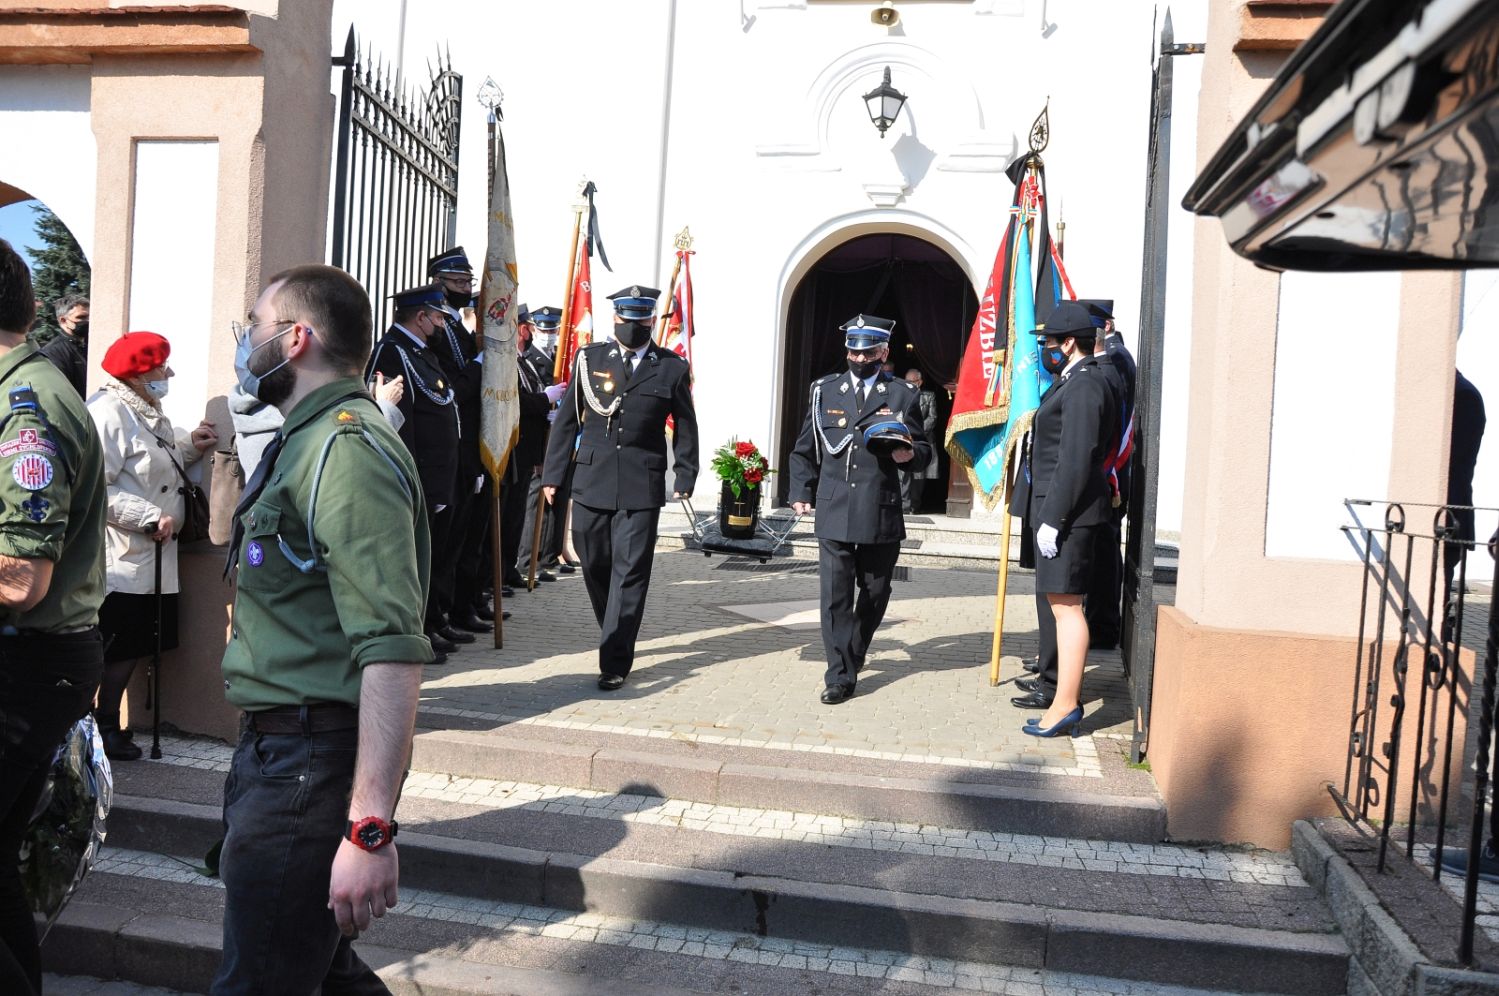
52, 503
303, 630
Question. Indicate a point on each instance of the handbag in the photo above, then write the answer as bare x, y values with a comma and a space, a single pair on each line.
195, 513
225, 487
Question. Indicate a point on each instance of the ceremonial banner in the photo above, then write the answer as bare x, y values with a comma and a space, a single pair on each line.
580, 322
500, 397
1000, 379
678, 331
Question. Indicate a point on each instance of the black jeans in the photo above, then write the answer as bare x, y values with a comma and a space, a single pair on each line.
286, 802
47, 683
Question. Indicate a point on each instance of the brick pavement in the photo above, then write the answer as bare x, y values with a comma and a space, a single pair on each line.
730, 653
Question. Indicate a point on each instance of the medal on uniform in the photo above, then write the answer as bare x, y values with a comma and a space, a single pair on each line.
842, 422
608, 387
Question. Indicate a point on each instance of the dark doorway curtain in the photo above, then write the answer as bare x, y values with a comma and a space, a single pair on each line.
893, 276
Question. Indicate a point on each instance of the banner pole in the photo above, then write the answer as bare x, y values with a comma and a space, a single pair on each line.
999, 601
564, 341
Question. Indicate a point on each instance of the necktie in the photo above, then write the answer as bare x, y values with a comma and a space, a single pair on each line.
860, 394
253, 487
629, 367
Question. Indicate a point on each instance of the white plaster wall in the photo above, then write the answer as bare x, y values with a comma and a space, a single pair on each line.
744, 121
47, 142
172, 243
1334, 354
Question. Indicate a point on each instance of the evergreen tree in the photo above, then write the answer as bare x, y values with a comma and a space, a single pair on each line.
58, 267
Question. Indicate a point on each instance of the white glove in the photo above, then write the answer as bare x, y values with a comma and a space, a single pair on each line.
555, 392
551, 416
1046, 540
478, 484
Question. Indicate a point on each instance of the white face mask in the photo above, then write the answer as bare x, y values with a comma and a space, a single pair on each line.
158, 388
545, 340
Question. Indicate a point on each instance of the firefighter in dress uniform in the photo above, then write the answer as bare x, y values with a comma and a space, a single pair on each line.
861, 426
611, 429
431, 431
536, 363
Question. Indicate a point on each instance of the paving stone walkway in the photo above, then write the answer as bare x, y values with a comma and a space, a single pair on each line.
730, 653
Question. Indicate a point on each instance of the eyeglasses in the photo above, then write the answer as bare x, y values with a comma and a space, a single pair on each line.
872, 351
242, 329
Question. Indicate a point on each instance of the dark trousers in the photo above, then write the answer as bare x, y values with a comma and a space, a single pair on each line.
617, 548
285, 805
553, 519
468, 551
849, 621
46, 685
912, 485
439, 524
1046, 630
513, 519
1106, 588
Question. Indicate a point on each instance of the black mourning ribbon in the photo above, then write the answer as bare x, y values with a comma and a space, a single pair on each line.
253, 487
595, 240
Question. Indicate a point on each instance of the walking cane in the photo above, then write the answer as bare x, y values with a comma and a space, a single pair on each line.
153, 678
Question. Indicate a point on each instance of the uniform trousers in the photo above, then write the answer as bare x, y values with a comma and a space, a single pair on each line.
617, 549
286, 803
1105, 590
849, 620
439, 524
47, 683
1068, 573
553, 517
468, 550
513, 517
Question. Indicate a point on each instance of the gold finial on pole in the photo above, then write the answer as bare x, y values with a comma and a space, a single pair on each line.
1041, 130
684, 240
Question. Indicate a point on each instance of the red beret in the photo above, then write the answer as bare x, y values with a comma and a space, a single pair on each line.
133, 353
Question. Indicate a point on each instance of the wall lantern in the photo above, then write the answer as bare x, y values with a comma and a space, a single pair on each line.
884, 103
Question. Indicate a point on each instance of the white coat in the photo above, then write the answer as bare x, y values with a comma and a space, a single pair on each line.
141, 486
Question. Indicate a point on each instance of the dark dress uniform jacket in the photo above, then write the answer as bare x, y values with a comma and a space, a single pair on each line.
456, 352
430, 431
1070, 438
534, 369
858, 493
621, 459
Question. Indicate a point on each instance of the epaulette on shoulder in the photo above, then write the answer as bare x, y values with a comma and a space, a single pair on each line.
909, 386
673, 355
342, 415
830, 378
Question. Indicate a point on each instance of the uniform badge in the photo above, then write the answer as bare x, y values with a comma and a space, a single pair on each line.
27, 441
439, 384
255, 553
843, 389
345, 416
880, 388
36, 507
32, 471
608, 387
842, 422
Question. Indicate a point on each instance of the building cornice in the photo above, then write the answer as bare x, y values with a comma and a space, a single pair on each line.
1278, 25
75, 34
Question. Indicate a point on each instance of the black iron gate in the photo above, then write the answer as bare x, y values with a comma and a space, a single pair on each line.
1138, 644
396, 193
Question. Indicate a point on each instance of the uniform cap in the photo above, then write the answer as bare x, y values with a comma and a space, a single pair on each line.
882, 437
866, 332
635, 303
547, 319
1068, 318
1100, 308
425, 296
455, 260
133, 353
523, 315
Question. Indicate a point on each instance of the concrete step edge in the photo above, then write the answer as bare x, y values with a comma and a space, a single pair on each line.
1145, 948
963, 805
158, 949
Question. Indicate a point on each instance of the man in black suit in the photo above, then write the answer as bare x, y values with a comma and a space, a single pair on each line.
862, 425
430, 430
1105, 594
523, 474
1065, 497
538, 359
618, 399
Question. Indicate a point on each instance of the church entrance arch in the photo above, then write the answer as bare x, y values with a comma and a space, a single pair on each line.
894, 275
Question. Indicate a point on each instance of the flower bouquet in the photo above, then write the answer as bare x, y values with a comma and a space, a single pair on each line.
741, 467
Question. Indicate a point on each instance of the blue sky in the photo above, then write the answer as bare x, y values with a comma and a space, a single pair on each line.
17, 223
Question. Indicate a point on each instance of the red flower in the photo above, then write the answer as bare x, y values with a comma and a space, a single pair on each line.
754, 476
744, 449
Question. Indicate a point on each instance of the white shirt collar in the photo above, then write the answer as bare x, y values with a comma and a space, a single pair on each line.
420, 342
1068, 368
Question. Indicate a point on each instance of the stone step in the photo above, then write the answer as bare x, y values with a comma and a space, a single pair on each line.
1163, 914
1103, 800
438, 944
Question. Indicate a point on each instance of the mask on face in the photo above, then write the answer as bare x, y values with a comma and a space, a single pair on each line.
863, 369
158, 388
545, 340
458, 299
270, 385
632, 335
1053, 360
80, 329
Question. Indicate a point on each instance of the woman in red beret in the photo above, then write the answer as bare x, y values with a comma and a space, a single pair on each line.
145, 506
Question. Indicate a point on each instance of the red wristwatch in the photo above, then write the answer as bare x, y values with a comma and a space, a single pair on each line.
371, 833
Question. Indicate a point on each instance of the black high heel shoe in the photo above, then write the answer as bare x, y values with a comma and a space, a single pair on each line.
1070, 725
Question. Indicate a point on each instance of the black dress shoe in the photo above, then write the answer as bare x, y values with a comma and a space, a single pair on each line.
1028, 684
1032, 700
567, 569
515, 578
508, 591
472, 623
485, 611
545, 576
504, 613
833, 694
441, 644
1031, 665
456, 635
118, 746
611, 682
438, 657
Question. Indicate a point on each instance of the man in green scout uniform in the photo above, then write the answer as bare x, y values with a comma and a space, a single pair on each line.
51, 586
325, 652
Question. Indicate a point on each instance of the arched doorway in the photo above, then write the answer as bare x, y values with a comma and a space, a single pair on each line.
909, 279
59, 269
